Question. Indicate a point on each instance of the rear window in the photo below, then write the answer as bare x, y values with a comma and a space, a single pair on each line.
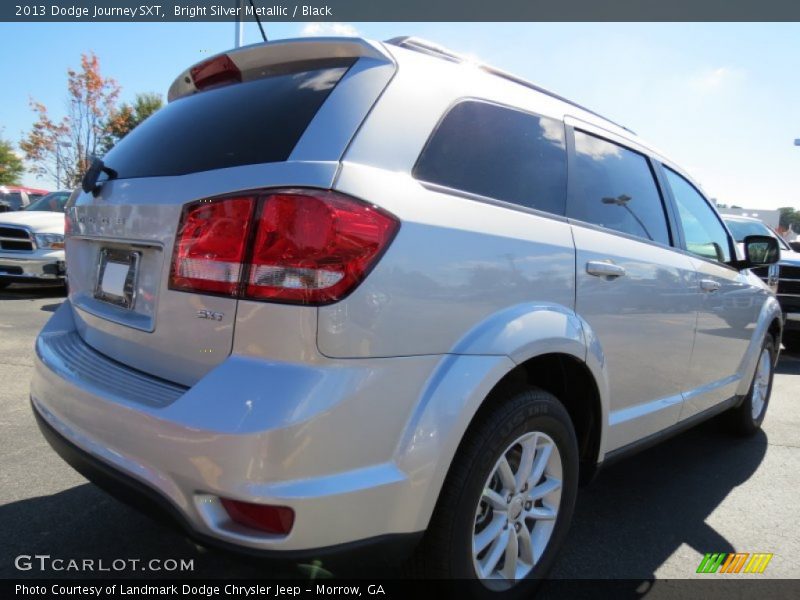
498, 152
254, 122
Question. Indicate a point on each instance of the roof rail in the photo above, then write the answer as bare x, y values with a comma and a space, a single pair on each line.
432, 49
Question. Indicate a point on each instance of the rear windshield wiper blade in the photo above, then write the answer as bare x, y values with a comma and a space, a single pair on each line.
89, 181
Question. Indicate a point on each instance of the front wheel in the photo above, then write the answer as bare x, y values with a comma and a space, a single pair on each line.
508, 499
748, 416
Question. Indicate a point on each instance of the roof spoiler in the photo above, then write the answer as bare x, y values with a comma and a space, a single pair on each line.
255, 57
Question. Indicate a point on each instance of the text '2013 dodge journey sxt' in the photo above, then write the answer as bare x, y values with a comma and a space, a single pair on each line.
340, 293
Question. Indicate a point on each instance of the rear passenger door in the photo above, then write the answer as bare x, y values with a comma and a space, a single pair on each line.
633, 289
728, 305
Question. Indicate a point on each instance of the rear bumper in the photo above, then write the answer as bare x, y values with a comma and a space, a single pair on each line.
132, 492
40, 266
317, 438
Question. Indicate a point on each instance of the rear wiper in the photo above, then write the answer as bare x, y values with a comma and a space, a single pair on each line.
89, 181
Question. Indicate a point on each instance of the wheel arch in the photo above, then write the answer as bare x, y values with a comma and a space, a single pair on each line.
550, 348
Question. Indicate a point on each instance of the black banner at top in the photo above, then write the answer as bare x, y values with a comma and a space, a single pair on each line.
399, 10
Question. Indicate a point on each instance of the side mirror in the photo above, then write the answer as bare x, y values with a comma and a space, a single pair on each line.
760, 250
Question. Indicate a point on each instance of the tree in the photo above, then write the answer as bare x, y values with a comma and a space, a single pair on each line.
11, 167
123, 119
790, 218
63, 149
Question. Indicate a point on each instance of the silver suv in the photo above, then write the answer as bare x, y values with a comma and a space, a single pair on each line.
341, 294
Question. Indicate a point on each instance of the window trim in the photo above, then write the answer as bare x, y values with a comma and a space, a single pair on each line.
443, 189
684, 247
572, 156
491, 199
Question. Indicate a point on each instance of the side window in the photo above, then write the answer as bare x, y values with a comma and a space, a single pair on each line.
614, 188
704, 233
498, 152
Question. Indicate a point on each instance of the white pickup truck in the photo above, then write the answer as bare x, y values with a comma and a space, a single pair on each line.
32, 242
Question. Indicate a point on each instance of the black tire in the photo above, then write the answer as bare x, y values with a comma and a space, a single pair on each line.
791, 341
741, 417
446, 550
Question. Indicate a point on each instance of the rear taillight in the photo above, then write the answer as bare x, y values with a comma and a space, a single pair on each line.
210, 246
271, 519
308, 246
220, 70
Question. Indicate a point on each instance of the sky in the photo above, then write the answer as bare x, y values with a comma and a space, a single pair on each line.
720, 99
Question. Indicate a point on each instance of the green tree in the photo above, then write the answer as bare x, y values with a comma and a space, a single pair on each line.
11, 167
123, 119
790, 218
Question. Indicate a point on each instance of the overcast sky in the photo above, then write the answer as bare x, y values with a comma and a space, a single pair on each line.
722, 100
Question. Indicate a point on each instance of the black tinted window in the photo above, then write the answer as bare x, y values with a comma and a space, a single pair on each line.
498, 152
704, 233
258, 121
614, 188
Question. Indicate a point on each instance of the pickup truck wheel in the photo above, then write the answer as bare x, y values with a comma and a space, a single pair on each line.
508, 499
748, 416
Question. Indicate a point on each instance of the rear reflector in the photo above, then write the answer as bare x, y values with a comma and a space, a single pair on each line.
271, 519
210, 247
309, 247
220, 70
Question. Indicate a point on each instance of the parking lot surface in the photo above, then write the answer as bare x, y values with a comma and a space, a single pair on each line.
653, 515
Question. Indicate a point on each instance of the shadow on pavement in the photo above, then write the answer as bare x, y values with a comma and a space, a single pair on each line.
641, 510
789, 364
84, 522
20, 291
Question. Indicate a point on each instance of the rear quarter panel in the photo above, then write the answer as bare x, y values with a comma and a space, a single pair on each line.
454, 264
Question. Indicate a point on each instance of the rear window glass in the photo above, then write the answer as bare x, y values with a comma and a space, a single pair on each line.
254, 122
501, 153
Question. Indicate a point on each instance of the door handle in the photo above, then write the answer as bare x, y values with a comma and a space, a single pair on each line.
602, 268
709, 285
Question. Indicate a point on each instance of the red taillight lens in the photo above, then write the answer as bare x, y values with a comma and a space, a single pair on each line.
315, 247
309, 247
272, 519
220, 70
210, 245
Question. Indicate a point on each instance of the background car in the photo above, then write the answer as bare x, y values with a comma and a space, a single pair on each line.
32, 242
17, 198
52, 202
787, 286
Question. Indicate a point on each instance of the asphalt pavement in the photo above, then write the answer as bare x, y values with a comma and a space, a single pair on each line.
653, 515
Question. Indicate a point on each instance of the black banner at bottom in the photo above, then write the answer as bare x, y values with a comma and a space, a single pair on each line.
713, 587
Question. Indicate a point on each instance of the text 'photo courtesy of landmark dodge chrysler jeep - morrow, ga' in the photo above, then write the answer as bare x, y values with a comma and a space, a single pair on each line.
340, 293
